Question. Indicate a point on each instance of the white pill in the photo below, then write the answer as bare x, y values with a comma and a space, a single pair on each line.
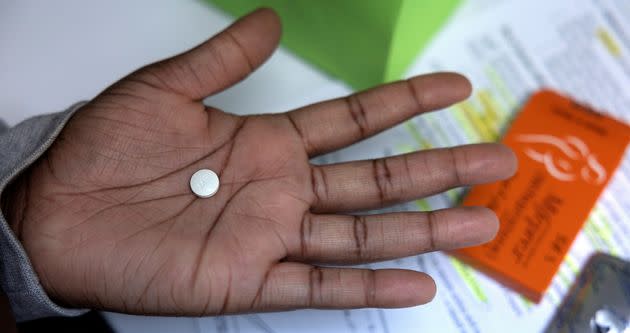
204, 183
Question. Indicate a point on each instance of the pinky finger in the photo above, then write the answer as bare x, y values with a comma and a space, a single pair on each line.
292, 285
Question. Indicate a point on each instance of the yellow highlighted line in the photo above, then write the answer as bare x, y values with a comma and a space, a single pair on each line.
422, 142
490, 107
404, 148
477, 122
599, 227
571, 264
498, 82
471, 133
466, 273
609, 42
423, 205
526, 303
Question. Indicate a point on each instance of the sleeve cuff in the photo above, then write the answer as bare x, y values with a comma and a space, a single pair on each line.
20, 146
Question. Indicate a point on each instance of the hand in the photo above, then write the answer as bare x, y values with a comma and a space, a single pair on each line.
109, 221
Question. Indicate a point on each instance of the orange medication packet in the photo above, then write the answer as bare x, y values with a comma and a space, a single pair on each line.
567, 153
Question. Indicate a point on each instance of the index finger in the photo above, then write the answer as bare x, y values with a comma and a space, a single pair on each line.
334, 124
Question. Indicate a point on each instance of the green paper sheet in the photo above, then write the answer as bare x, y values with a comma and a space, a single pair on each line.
362, 42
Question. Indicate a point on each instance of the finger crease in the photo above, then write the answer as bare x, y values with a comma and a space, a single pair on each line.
305, 234
305, 141
414, 94
319, 184
432, 230
358, 113
316, 280
360, 237
457, 174
135, 78
383, 179
151, 71
248, 60
369, 283
256, 301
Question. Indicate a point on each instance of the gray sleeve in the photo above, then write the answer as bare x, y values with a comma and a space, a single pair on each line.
20, 146
3, 126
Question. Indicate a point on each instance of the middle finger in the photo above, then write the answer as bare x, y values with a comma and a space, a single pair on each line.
377, 183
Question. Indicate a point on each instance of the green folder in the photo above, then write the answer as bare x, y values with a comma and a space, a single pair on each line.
362, 42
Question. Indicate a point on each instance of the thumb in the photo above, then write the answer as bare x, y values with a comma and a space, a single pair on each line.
219, 62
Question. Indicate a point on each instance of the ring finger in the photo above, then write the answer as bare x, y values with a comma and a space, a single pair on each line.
358, 239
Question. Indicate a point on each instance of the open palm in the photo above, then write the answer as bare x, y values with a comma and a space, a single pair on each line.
109, 221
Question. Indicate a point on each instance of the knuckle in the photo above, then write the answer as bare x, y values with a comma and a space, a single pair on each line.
301, 133
319, 185
419, 96
236, 44
305, 235
459, 164
360, 233
433, 234
369, 287
316, 281
358, 113
383, 180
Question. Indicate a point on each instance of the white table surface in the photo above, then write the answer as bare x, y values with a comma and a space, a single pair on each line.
53, 53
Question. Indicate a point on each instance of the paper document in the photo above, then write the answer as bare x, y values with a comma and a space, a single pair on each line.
510, 50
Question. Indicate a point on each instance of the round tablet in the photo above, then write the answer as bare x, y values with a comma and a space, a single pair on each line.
204, 183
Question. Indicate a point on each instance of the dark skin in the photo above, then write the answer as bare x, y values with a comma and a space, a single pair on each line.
109, 221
